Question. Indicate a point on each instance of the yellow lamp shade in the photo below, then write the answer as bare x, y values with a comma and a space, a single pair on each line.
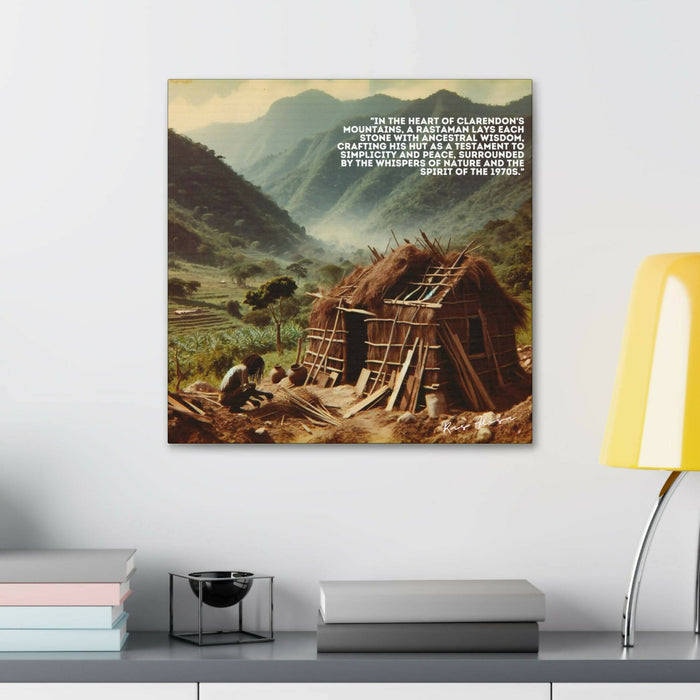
654, 419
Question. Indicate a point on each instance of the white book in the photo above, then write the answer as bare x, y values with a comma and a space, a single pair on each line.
59, 616
500, 600
66, 640
66, 565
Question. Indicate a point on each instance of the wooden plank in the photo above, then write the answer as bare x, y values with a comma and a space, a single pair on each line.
324, 360
181, 408
402, 375
330, 357
386, 354
333, 378
481, 389
420, 371
411, 392
398, 345
370, 400
187, 404
320, 330
411, 387
314, 358
405, 323
355, 311
489, 347
362, 381
322, 378
448, 340
423, 304
318, 337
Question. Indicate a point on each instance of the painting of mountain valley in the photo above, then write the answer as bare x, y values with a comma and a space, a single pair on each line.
349, 261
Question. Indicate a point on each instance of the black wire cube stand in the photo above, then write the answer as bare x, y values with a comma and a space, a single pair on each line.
202, 586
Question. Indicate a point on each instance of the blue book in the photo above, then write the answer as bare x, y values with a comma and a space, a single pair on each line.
112, 639
59, 616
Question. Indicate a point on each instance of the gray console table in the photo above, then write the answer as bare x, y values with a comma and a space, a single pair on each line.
564, 657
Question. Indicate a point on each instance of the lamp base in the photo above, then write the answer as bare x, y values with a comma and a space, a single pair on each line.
629, 613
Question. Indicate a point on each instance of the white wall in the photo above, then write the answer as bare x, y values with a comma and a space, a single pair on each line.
83, 453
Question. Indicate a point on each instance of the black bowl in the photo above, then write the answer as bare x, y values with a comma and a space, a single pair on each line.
231, 589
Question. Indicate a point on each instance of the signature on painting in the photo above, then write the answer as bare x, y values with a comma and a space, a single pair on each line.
449, 427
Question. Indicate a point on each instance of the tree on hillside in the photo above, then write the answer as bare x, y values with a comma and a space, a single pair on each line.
269, 295
179, 288
270, 266
242, 271
298, 270
234, 308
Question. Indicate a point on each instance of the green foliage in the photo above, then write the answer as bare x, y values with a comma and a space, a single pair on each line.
208, 356
298, 270
242, 271
507, 245
180, 288
366, 203
258, 318
269, 292
291, 306
233, 308
269, 296
208, 201
270, 266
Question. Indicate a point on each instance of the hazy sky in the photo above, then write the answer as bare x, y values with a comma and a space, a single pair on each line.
196, 103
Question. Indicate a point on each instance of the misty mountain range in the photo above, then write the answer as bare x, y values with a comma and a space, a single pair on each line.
291, 154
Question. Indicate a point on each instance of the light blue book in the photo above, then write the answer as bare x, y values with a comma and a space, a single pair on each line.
29, 617
112, 639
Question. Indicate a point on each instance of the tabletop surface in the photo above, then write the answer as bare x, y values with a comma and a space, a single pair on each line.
292, 657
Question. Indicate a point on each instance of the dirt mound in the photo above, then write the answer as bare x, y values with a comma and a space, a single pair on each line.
278, 421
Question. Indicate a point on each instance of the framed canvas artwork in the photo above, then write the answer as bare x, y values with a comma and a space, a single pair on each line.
350, 261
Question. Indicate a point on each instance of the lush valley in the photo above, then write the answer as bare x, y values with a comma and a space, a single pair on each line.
228, 236
213, 209
357, 206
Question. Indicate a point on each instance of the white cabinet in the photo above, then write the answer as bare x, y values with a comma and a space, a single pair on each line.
98, 691
625, 691
374, 691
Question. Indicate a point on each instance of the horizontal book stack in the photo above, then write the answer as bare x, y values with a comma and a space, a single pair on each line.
64, 599
430, 616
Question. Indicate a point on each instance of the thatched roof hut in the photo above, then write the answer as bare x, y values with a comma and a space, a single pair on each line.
418, 320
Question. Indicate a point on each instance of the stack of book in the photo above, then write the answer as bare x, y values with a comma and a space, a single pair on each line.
64, 599
429, 616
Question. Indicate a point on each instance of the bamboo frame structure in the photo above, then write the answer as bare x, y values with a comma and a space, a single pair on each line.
416, 305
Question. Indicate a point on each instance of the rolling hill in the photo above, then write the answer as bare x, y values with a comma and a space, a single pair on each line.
212, 209
287, 122
358, 206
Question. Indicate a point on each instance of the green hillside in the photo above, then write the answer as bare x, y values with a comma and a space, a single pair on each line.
360, 206
213, 209
287, 122
507, 245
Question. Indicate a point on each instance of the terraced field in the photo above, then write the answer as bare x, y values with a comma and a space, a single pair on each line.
189, 319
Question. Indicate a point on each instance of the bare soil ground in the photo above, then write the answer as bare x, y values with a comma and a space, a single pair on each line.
277, 421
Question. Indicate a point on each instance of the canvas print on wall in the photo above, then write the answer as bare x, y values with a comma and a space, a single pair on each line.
350, 261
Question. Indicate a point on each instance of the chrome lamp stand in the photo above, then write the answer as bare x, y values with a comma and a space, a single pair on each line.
630, 611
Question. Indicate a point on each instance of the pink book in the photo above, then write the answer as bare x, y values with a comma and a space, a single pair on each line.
64, 593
